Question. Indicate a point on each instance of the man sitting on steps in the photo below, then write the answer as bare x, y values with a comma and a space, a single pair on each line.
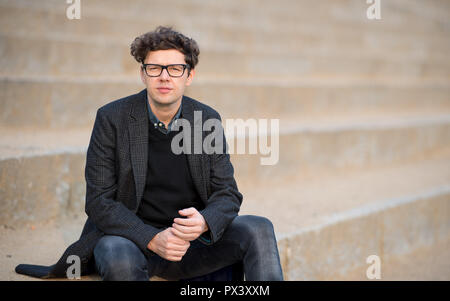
152, 212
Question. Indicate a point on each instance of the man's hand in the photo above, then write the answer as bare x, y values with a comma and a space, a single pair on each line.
190, 227
167, 245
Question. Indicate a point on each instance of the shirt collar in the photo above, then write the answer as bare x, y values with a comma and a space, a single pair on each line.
155, 121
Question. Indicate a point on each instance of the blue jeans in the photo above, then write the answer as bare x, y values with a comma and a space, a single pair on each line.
248, 239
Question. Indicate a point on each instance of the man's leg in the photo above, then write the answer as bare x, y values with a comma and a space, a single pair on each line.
117, 258
258, 246
248, 238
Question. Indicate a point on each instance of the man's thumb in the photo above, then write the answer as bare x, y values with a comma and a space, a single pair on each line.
187, 211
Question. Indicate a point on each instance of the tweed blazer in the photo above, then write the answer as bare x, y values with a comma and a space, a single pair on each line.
116, 169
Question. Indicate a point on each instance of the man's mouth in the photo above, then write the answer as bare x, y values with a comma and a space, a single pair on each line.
164, 90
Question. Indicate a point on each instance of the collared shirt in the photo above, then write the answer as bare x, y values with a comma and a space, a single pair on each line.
158, 124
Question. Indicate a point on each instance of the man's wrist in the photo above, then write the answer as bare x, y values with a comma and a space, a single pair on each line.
205, 227
151, 243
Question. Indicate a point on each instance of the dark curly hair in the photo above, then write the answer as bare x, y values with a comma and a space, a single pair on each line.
164, 38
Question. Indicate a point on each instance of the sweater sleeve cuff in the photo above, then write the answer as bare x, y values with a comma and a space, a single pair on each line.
206, 238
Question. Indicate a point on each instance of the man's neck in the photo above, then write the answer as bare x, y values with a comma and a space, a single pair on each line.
164, 113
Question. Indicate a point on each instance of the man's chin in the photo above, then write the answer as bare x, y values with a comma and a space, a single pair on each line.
164, 102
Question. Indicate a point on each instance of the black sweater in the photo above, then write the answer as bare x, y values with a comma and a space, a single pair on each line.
169, 186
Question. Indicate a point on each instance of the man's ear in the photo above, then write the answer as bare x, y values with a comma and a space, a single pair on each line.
190, 77
142, 75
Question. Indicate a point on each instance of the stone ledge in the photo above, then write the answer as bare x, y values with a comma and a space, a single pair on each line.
390, 230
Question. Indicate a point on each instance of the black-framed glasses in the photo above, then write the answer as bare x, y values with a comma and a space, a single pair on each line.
155, 70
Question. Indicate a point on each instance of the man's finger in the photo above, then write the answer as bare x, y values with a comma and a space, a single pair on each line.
182, 235
188, 211
178, 247
186, 221
187, 229
173, 258
175, 253
177, 240
183, 229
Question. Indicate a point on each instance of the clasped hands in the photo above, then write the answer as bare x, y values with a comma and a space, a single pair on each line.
173, 242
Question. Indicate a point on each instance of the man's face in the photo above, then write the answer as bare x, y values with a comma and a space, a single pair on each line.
165, 90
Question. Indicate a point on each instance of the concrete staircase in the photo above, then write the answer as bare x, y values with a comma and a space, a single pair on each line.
364, 110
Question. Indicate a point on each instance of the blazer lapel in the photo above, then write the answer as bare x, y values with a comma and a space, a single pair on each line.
138, 131
195, 160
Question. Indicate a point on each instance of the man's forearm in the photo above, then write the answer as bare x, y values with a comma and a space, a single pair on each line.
119, 220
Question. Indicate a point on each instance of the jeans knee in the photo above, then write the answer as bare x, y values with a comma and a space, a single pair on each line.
255, 227
118, 258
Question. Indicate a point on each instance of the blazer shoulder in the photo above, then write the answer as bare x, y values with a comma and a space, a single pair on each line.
120, 105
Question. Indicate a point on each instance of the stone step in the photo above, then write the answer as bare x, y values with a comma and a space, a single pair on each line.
323, 234
41, 175
282, 16
311, 38
396, 230
386, 133
37, 57
310, 99
42, 171
356, 176
60, 102
309, 200
429, 262
321, 145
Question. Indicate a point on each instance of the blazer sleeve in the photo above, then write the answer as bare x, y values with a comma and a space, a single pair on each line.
225, 200
110, 216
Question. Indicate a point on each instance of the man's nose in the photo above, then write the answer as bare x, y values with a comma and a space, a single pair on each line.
164, 75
